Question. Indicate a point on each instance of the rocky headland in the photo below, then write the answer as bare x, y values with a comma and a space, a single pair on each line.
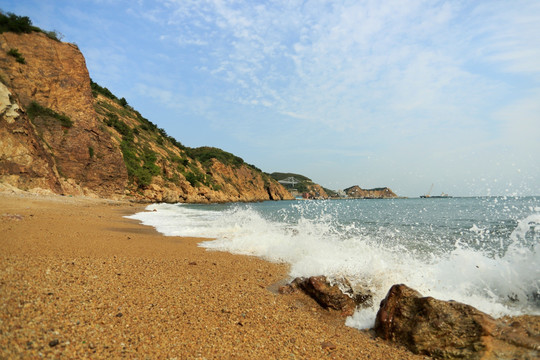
64, 134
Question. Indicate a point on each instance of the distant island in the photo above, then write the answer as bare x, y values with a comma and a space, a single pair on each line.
301, 186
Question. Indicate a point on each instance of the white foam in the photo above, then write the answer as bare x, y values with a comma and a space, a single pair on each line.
496, 284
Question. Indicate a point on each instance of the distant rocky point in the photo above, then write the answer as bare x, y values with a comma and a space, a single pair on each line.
357, 192
302, 186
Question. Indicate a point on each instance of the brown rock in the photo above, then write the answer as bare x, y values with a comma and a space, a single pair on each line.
449, 329
327, 295
328, 345
377, 193
287, 289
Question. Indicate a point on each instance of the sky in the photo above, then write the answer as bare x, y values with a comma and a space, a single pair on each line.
403, 94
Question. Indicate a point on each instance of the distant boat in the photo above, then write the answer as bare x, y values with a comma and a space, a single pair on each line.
443, 195
428, 195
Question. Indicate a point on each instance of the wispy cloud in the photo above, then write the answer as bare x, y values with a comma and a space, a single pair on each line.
342, 63
412, 90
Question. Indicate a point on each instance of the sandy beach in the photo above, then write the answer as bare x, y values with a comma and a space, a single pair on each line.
77, 280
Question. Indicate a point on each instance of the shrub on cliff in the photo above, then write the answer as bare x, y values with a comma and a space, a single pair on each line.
140, 174
112, 120
22, 24
16, 24
17, 55
96, 88
205, 154
53, 34
35, 110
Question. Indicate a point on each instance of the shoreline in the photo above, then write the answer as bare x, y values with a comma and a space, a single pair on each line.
78, 280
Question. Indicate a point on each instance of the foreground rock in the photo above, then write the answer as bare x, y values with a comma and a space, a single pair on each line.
329, 296
452, 330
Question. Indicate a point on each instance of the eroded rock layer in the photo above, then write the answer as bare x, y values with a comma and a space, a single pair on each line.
58, 134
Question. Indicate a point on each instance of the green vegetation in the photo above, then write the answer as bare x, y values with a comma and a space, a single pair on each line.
139, 159
141, 174
281, 176
146, 124
55, 35
128, 111
10, 22
97, 89
17, 55
303, 184
330, 193
195, 177
35, 110
205, 155
17, 24
91, 152
140, 164
123, 129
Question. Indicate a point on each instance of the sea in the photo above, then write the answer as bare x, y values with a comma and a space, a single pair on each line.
482, 251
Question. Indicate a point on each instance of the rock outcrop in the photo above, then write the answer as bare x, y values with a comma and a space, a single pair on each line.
338, 296
452, 330
316, 191
377, 193
55, 77
58, 134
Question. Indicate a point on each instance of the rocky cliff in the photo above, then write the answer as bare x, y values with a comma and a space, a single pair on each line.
303, 185
60, 132
378, 193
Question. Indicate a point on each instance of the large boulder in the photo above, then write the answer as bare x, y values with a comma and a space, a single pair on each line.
328, 295
451, 330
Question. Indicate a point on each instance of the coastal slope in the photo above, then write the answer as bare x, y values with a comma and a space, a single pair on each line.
62, 133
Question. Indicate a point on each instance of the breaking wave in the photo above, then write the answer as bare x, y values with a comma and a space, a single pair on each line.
479, 251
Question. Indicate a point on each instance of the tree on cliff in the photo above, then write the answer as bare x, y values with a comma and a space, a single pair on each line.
15, 23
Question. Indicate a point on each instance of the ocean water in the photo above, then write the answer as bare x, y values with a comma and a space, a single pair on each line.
481, 251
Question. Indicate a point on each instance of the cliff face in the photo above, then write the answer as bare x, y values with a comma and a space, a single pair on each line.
55, 76
316, 191
59, 135
378, 193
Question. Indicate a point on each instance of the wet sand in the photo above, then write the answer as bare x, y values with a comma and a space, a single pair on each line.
77, 280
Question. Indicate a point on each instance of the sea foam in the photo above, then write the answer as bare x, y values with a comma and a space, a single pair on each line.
484, 265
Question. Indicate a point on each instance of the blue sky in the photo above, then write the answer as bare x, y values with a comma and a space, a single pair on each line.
371, 93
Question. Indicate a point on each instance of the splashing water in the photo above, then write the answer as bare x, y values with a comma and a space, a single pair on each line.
480, 251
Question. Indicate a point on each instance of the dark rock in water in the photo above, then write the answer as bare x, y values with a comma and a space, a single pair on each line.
451, 330
327, 295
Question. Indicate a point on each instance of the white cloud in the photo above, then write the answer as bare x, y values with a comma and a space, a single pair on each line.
508, 35
436, 86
